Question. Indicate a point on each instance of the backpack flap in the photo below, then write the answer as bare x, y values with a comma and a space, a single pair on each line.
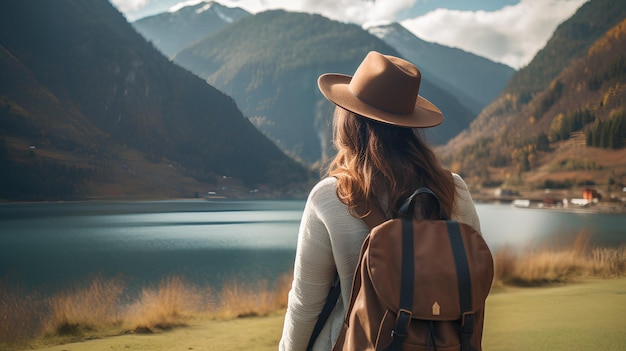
436, 288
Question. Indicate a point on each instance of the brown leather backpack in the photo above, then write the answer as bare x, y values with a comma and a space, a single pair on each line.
420, 284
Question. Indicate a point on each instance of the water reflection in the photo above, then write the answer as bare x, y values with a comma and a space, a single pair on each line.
51, 245
507, 225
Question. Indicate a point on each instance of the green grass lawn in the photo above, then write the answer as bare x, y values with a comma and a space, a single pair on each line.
585, 316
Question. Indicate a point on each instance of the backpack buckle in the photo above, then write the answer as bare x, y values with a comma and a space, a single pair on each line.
467, 322
402, 324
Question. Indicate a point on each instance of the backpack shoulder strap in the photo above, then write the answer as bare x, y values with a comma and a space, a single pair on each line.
331, 301
407, 208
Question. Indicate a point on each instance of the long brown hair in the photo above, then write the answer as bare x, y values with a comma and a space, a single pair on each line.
377, 161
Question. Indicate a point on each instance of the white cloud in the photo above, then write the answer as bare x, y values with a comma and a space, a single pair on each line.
129, 5
511, 35
355, 11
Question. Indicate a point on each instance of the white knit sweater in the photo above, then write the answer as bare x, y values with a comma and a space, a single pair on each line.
330, 237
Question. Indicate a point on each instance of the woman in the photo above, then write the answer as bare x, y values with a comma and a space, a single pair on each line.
381, 160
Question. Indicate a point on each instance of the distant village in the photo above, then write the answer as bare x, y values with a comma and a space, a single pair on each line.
590, 199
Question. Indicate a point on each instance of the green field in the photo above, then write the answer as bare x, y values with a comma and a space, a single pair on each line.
583, 316
588, 316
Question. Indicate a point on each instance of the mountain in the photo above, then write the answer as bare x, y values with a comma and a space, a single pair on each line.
475, 80
570, 41
571, 132
269, 63
173, 31
88, 108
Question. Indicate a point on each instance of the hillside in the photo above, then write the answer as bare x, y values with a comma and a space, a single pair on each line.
571, 134
570, 41
89, 109
171, 32
269, 63
475, 80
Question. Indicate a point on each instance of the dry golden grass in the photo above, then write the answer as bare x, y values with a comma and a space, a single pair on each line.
238, 301
100, 308
20, 314
241, 300
85, 307
558, 265
165, 307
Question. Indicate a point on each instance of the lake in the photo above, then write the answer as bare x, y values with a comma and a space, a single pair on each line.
47, 246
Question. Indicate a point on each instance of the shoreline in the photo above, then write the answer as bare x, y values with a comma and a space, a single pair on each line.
594, 208
537, 204
101, 307
575, 316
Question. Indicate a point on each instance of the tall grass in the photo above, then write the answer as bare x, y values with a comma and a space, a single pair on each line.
169, 305
101, 308
85, 307
20, 314
241, 300
545, 265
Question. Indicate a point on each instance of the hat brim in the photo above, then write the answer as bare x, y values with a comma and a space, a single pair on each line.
335, 87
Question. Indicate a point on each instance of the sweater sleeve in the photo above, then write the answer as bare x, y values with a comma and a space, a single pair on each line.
314, 270
465, 208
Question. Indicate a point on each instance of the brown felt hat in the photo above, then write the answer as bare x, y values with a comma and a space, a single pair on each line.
384, 88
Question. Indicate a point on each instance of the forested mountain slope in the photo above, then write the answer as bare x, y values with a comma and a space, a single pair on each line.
89, 109
571, 131
269, 63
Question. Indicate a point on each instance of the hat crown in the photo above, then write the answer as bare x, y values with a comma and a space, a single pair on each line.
384, 88
388, 83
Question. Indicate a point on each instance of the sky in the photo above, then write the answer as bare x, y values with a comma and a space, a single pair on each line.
505, 31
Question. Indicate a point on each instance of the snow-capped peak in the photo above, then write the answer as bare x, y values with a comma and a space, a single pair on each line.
182, 4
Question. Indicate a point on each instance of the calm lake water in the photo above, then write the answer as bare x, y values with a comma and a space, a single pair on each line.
47, 246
